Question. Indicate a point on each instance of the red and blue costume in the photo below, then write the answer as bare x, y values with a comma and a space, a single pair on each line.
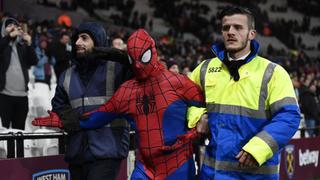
156, 103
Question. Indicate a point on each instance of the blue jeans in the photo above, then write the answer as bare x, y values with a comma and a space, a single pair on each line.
311, 123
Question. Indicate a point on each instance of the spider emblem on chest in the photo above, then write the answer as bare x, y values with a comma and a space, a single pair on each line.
145, 103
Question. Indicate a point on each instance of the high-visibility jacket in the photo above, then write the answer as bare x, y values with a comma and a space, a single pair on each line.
110, 141
258, 113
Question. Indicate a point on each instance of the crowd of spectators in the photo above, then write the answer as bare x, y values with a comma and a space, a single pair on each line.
52, 42
308, 7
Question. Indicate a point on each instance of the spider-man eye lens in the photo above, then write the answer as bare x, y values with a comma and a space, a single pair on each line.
146, 56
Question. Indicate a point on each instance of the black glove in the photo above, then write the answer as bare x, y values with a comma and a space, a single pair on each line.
111, 54
70, 119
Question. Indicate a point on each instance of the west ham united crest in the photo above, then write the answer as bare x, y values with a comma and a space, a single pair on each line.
52, 174
289, 158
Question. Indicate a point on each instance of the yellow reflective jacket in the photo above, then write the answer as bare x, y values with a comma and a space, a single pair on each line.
258, 113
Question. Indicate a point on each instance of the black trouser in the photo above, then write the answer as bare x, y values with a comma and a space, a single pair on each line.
13, 109
105, 169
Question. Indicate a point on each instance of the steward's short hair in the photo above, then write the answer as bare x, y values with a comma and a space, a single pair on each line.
229, 11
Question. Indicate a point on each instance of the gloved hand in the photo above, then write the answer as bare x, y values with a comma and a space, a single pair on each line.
70, 119
52, 120
182, 140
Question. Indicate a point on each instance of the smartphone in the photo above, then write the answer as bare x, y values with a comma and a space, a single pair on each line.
24, 27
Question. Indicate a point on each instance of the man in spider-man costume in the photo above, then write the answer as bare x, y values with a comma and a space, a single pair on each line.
156, 103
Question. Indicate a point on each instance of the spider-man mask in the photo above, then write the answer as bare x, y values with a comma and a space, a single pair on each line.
143, 53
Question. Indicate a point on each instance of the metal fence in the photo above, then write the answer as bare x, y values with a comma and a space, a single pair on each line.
15, 141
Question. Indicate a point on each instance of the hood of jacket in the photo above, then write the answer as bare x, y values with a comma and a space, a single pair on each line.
5, 22
99, 37
96, 32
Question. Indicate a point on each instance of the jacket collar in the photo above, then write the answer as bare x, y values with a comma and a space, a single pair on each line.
219, 50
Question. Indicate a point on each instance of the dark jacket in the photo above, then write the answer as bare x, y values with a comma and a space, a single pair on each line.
27, 57
308, 103
62, 56
88, 79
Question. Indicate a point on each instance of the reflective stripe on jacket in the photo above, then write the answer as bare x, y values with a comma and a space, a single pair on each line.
111, 141
258, 113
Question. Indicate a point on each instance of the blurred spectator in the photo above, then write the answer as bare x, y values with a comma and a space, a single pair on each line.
17, 55
186, 71
43, 70
266, 30
309, 105
297, 85
43, 73
173, 66
62, 54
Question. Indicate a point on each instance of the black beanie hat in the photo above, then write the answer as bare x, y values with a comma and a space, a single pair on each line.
11, 21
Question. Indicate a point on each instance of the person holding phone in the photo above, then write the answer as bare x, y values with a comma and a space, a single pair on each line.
16, 57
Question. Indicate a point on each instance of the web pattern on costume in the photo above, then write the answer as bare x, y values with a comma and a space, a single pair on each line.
146, 102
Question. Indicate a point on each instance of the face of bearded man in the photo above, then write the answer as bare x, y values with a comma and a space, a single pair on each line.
84, 45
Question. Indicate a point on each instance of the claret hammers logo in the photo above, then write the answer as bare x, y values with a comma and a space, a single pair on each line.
289, 158
53, 174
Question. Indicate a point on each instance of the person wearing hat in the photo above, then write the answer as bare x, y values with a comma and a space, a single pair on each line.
91, 154
16, 56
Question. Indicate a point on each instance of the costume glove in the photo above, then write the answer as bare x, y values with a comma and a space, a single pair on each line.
182, 140
52, 120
